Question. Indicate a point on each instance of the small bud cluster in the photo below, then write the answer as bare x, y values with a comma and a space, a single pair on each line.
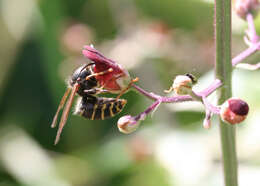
233, 111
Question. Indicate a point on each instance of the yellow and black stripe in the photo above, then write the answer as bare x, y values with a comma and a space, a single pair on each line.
96, 108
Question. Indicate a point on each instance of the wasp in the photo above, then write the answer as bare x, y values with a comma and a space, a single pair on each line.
84, 83
100, 76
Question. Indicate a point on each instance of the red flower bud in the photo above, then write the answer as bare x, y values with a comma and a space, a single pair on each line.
234, 111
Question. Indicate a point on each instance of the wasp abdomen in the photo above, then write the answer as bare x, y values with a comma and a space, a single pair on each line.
96, 108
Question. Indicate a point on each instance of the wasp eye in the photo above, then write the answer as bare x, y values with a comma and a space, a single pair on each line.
76, 74
80, 74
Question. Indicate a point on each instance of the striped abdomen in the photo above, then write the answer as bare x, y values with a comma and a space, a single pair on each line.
95, 108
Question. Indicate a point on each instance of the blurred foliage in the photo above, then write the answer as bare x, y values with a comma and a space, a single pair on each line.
41, 46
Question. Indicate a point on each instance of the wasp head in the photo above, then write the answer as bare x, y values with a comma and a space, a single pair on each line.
79, 76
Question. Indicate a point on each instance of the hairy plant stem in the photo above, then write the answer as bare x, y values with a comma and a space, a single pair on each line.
223, 72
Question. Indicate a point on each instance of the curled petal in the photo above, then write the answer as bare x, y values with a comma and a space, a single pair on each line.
112, 76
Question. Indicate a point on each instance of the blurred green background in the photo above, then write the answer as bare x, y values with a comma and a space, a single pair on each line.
40, 46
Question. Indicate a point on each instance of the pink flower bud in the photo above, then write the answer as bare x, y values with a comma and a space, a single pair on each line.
234, 111
127, 124
206, 123
243, 7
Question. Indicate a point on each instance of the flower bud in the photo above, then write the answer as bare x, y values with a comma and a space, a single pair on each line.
234, 111
206, 123
127, 124
243, 7
182, 84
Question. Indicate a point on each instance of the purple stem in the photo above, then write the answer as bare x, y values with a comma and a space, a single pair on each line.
207, 91
145, 93
252, 49
163, 99
251, 28
210, 107
143, 114
253, 37
216, 84
201, 96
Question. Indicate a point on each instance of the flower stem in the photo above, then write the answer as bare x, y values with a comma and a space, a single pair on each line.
248, 52
223, 72
251, 32
204, 93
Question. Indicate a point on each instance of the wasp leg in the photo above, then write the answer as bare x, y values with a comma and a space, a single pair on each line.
65, 113
99, 73
61, 105
129, 86
96, 91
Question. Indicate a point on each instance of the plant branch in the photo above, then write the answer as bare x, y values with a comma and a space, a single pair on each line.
204, 93
251, 39
193, 96
249, 51
251, 32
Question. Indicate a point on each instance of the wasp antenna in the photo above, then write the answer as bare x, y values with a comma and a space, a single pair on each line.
61, 105
65, 113
87, 65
